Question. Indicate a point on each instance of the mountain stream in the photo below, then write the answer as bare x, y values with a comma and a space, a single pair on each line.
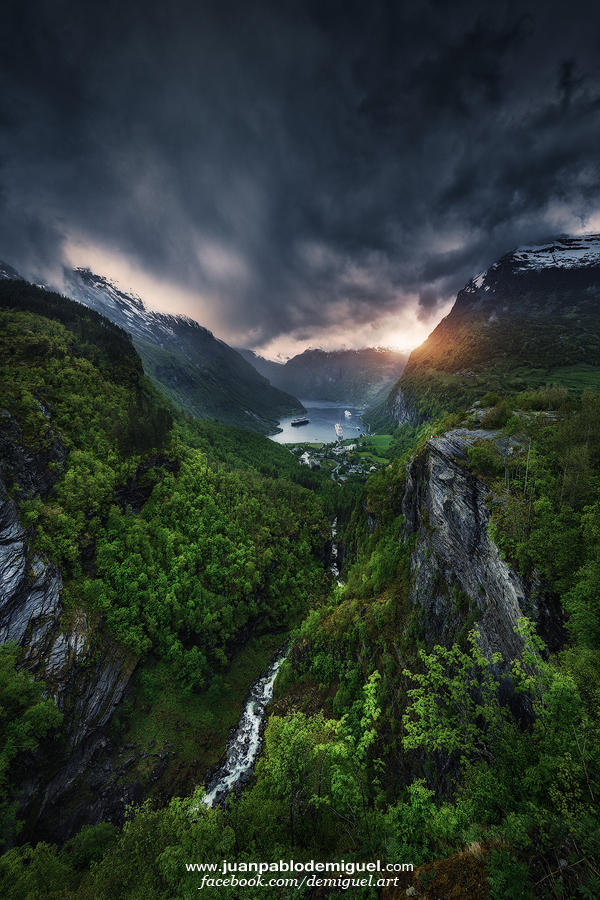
243, 746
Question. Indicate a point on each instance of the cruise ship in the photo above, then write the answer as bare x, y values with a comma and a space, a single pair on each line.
347, 413
339, 431
301, 420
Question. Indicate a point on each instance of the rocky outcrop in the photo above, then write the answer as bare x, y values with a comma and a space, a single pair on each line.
97, 785
30, 604
82, 669
459, 576
401, 410
85, 672
28, 472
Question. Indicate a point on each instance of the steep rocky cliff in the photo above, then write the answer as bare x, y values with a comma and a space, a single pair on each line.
83, 671
402, 410
458, 574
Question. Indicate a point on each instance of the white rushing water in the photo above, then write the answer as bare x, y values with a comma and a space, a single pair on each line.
243, 747
334, 553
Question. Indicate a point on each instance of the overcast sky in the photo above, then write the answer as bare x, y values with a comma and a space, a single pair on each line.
295, 173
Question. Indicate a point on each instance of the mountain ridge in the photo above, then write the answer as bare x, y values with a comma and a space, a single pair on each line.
200, 373
531, 314
356, 376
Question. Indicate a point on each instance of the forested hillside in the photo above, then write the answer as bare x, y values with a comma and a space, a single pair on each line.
199, 373
384, 745
162, 533
440, 707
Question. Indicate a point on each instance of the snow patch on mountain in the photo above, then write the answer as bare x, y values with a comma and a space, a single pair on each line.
563, 253
127, 310
474, 284
7, 272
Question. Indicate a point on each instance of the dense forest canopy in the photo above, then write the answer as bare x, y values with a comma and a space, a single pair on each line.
180, 539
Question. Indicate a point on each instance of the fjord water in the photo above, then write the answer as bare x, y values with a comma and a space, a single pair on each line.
323, 416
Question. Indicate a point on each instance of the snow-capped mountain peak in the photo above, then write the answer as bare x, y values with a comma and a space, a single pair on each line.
558, 255
127, 310
563, 253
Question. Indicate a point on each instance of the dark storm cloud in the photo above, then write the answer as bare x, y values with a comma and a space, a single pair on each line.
301, 164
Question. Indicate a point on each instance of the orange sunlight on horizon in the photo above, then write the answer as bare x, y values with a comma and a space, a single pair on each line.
401, 330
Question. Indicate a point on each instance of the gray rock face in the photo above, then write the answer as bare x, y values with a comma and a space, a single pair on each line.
85, 676
30, 604
459, 576
401, 410
83, 671
32, 472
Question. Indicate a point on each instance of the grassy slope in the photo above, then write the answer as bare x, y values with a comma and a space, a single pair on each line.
215, 390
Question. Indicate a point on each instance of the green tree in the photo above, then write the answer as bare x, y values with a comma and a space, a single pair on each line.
25, 720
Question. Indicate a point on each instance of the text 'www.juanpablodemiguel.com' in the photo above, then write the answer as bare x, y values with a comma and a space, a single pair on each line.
343, 874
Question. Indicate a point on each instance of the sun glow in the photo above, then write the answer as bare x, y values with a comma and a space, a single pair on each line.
157, 293
400, 330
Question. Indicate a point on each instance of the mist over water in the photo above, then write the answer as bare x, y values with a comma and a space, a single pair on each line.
323, 416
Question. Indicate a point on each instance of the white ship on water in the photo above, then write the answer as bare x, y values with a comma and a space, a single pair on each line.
339, 431
347, 413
